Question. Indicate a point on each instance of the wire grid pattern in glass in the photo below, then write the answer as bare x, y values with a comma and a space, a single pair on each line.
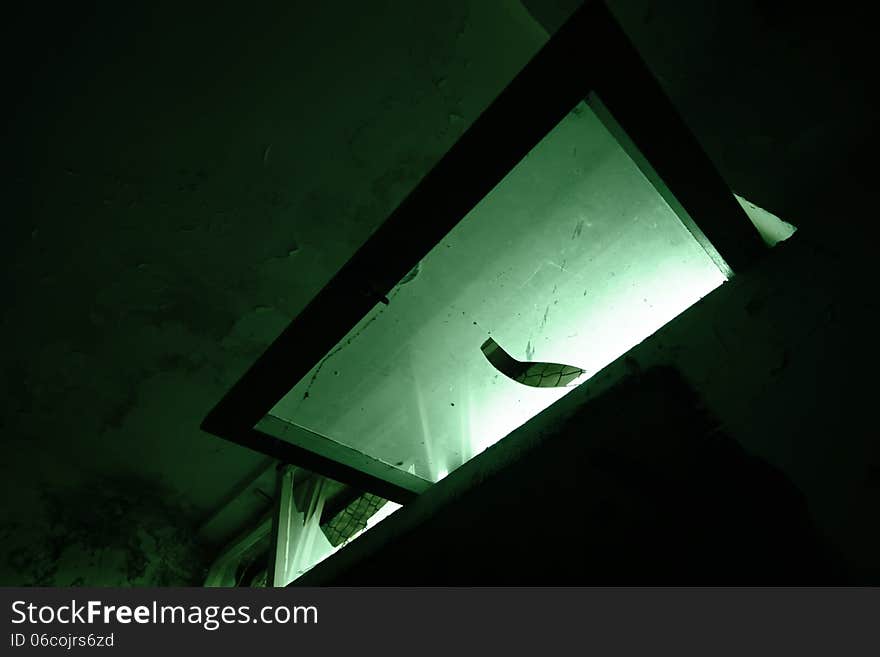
352, 518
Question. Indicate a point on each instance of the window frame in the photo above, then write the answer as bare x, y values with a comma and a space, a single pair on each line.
588, 58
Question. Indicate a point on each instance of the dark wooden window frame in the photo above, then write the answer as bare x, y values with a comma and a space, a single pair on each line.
590, 59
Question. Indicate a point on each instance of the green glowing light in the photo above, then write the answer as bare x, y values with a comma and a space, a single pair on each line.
312, 547
573, 258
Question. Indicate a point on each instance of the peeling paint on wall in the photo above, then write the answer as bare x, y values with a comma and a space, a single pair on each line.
107, 532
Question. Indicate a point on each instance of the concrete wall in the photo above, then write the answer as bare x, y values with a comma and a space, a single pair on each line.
180, 180
769, 359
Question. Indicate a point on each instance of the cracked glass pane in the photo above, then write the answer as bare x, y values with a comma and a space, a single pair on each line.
571, 260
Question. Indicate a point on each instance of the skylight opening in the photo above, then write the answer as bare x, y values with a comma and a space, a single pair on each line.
572, 259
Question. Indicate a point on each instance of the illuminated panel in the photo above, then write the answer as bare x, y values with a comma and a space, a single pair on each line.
573, 258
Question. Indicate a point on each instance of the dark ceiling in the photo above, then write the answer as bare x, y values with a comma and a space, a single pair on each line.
182, 179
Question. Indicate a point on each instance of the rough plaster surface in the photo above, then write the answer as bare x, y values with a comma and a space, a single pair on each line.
181, 181
186, 182
769, 356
